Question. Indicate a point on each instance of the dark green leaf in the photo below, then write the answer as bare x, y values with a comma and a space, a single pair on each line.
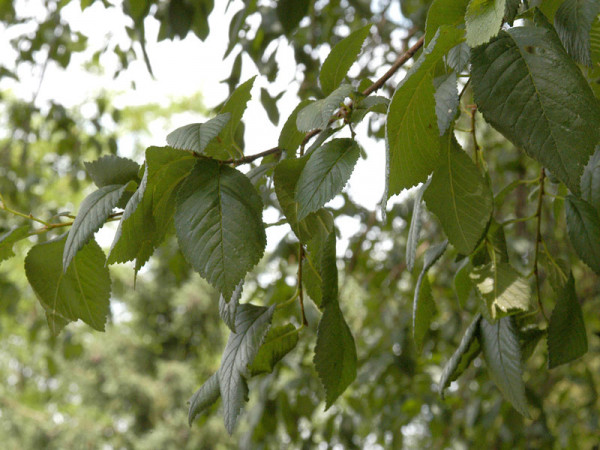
512, 9
317, 114
110, 170
227, 309
458, 57
270, 105
483, 18
252, 324
196, 136
462, 282
329, 272
415, 228
278, 343
290, 138
567, 338
446, 101
573, 21
412, 135
291, 12
204, 397
82, 292
444, 12
460, 197
529, 337
218, 220
467, 351
502, 353
93, 212
340, 59
423, 310
529, 89
325, 174
8, 239
590, 181
583, 225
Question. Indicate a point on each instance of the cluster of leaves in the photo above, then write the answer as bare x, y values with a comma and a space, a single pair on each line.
528, 81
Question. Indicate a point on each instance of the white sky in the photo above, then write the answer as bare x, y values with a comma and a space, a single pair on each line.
183, 67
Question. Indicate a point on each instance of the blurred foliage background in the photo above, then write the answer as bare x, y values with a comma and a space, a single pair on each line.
128, 387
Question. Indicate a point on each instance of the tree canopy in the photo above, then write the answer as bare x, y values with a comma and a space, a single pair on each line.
462, 312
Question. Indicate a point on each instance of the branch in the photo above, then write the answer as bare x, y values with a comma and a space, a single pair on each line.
250, 158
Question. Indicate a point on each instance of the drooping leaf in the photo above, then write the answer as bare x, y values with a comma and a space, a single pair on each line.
460, 197
530, 90
444, 12
590, 181
218, 220
111, 169
458, 57
462, 282
325, 174
252, 324
329, 272
423, 311
412, 135
567, 339
291, 12
446, 101
204, 397
8, 239
317, 114
529, 337
196, 136
467, 351
340, 59
483, 18
502, 353
82, 292
502, 290
290, 138
228, 309
279, 341
583, 226
224, 146
573, 21
93, 212
415, 228
270, 105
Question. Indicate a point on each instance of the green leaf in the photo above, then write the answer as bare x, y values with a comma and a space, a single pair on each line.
483, 18
329, 273
423, 310
460, 197
325, 174
278, 343
290, 138
372, 103
446, 101
270, 105
415, 228
590, 181
458, 57
502, 353
218, 220
204, 397
340, 59
567, 339
82, 292
467, 351
110, 170
444, 12
462, 282
529, 337
335, 353
573, 22
412, 135
502, 290
228, 309
583, 226
8, 239
317, 114
512, 9
135, 236
225, 147
93, 212
196, 136
252, 324
530, 90
291, 12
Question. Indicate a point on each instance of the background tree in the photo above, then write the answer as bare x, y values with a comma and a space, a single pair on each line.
483, 274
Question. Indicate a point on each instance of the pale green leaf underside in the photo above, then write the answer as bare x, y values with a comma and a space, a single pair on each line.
112, 169
252, 324
340, 59
93, 212
460, 197
278, 342
446, 101
483, 18
583, 226
502, 353
531, 91
218, 220
82, 292
325, 174
204, 397
317, 114
567, 339
196, 136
